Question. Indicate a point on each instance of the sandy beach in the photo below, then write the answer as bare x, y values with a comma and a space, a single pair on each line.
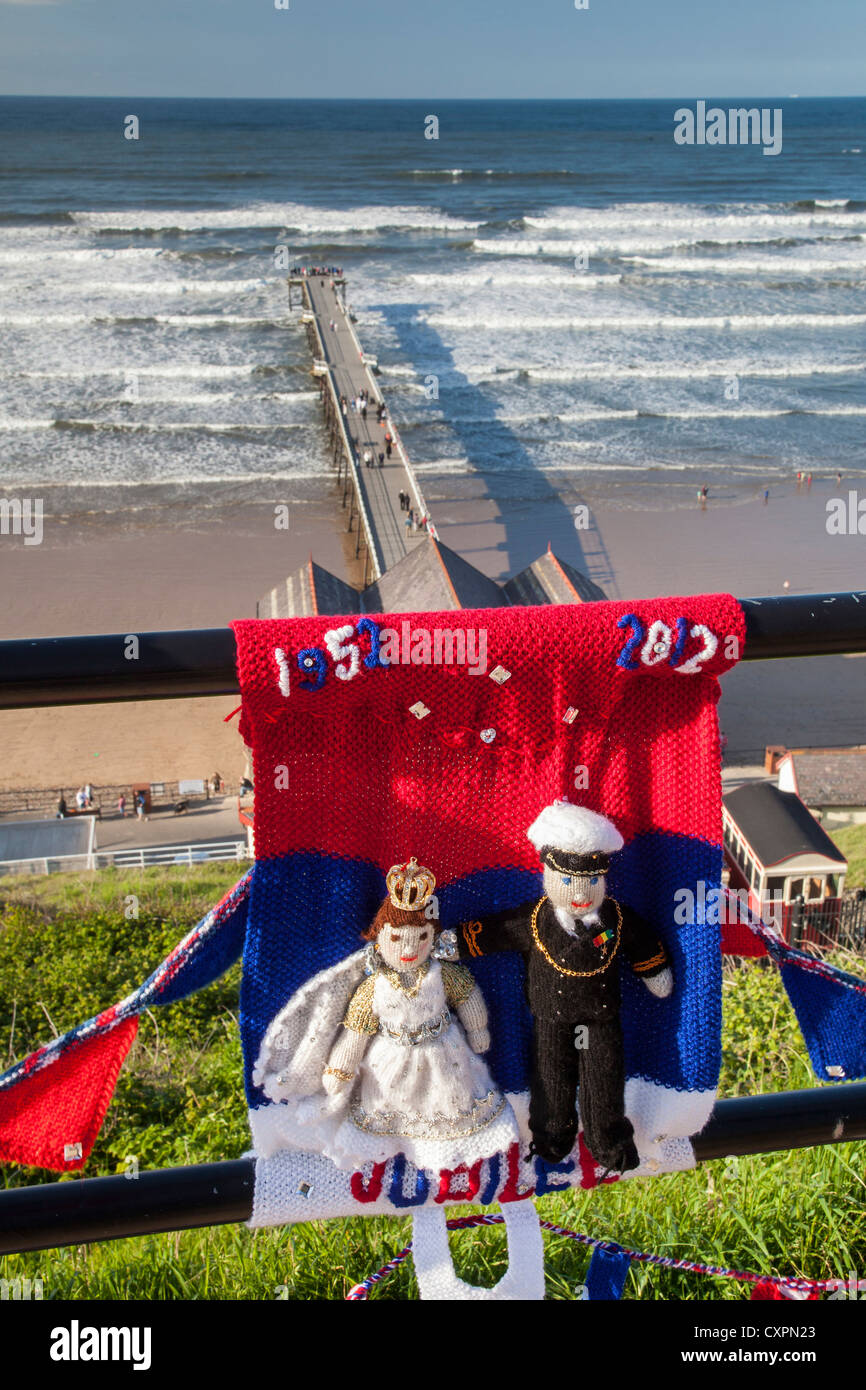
119, 575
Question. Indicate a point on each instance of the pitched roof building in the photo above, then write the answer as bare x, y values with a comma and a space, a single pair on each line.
831, 781
431, 578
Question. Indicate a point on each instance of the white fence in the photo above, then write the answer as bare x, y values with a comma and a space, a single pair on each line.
130, 858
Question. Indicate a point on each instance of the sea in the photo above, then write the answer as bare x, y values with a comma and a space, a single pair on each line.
558, 295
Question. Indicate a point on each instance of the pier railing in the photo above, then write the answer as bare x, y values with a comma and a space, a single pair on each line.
83, 670
420, 502
373, 558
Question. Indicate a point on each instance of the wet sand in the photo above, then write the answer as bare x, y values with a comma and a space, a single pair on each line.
89, 576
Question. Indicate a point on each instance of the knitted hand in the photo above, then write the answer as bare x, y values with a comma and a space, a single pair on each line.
661, 984
479, 1039
334, 1081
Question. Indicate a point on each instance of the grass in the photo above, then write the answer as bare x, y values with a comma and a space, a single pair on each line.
851, 840
68, 949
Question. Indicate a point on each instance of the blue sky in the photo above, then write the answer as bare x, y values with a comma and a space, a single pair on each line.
449, 48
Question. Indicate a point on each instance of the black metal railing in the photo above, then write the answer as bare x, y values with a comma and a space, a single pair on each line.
167, 665
201, 661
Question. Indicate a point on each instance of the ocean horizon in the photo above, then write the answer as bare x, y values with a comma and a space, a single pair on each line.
556, 292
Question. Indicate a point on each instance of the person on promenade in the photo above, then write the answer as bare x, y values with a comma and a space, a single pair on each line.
408, 524
62, 808
121, 805
364, 411
140, 803
381, 458
388, 448
354, 406
81, 799
368, 458
88, 794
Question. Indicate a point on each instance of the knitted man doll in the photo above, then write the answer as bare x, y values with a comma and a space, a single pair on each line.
362, 1069
573, 940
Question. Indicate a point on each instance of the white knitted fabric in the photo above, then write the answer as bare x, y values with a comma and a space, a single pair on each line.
434, 1101
292, 1186
522, 1282
574, 830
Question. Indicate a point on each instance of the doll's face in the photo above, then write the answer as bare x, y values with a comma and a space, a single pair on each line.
405, 948
577, 893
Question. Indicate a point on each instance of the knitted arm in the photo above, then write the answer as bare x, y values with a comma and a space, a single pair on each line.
359, 1025
501, 931
646, 954
344, 1060
463, 994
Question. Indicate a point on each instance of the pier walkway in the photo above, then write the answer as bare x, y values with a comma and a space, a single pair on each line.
344, 370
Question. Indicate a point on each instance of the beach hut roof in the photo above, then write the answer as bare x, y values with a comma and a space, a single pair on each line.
41, 839
551, 580
308, 591
777, 826
430, 578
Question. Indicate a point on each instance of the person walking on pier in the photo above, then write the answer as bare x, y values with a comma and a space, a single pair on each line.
364, 410
388, 447
381, 458
368, 458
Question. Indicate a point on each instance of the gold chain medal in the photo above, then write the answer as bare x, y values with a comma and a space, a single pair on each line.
562, 969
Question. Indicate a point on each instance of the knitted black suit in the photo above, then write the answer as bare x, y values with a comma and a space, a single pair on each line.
559, 1003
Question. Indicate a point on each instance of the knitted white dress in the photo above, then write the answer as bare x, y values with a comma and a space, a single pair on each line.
420, 1090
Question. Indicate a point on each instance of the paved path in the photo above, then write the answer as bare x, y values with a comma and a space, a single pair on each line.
380, 485
216, 820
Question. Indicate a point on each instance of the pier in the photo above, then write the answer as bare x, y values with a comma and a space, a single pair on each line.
372, 494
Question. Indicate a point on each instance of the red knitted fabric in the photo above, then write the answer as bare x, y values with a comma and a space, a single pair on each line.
64, 1104
647, 736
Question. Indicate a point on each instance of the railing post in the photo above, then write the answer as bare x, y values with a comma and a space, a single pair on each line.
797, 922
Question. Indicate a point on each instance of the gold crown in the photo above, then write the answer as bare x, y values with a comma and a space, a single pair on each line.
410, 886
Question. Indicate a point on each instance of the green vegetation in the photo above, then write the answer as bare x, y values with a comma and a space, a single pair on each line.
67, 949
852, 842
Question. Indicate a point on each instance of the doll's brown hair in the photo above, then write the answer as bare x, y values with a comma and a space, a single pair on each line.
391, 916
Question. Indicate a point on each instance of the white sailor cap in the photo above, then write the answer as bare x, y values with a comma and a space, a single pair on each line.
573, 839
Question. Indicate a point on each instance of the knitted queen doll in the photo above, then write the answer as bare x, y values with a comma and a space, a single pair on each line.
362, 1069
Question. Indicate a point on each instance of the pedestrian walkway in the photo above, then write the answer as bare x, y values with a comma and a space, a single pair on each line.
378, 486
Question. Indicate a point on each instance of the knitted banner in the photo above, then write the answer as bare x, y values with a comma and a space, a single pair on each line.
442, 735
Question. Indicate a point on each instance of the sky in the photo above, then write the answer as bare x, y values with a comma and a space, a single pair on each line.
435, 48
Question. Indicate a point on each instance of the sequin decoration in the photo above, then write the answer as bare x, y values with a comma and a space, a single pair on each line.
435, 1126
